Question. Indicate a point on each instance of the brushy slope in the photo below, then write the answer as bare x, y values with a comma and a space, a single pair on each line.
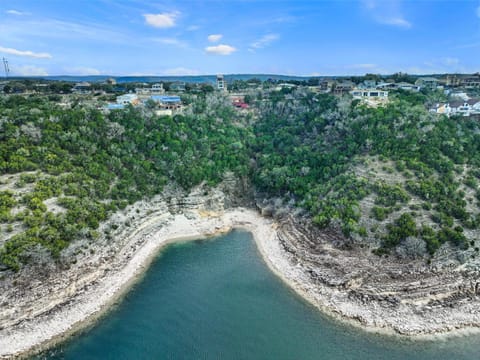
395, 178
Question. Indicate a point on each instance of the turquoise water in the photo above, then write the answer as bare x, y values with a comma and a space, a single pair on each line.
216, 299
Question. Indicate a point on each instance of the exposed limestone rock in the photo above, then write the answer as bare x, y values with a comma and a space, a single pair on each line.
403, 287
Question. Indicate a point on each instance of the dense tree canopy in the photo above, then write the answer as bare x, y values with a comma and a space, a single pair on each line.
95, 164
301, 146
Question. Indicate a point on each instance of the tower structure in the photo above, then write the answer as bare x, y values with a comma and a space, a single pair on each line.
6, 67
221, 84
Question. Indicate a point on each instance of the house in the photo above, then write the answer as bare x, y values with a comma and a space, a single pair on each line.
471, 81
143, 91
157, 89
314, 89
386, 85
458, 107
115, 107
111, 81
237, 98
167, 102
326, 85
238, 101
343, 87
460, 95
164, 112
367, 84
453, 80
407, 86
241, 105
369, 94
128, 99
462, 107
177, 86
427, 82
82, 88
41, 88
475, 105
119, 89
443, 109
285, 86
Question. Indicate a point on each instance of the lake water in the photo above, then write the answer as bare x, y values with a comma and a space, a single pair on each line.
216, 299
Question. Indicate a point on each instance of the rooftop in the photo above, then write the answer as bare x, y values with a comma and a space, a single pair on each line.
166, 98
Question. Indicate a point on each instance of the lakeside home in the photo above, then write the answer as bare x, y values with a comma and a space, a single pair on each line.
458, 107
171, 102
371, 97
128, 99
82, 88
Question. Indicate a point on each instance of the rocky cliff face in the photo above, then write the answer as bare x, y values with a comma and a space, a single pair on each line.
42, 285
411, 297
231, 192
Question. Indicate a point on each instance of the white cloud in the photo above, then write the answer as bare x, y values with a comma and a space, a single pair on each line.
162, 20
284, 19
81, 70
214, 37
467, 46
146, 73
29, 70
18, 29
220, 49
450, 61
396, 21
369, 4
440, 65
27, 53
264, 41
16, 12
193, 28
181, 71
171, 41
386, 12
362, 66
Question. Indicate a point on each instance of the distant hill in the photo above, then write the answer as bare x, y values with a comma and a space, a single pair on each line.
190, 79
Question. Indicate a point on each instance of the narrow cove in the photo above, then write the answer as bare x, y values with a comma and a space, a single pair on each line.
216, 299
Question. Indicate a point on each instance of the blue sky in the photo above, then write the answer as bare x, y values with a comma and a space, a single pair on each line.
140, 37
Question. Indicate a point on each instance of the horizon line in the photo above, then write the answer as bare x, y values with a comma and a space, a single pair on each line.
232, 74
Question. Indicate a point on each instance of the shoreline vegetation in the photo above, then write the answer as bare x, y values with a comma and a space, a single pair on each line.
85, 307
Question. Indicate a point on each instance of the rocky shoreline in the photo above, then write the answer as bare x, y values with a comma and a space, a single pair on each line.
42, 305
378, 294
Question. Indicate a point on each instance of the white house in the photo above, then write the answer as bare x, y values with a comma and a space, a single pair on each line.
427, 82
369, 94
460, 95
463, 108
407, 86
157, 89
386, 85
128, 99
82, 88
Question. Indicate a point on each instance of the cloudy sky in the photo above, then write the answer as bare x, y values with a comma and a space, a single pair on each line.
188, 37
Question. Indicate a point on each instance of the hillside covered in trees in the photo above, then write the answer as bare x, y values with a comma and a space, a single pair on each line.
400, 180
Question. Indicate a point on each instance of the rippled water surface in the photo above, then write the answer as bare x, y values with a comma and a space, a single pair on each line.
216, 299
